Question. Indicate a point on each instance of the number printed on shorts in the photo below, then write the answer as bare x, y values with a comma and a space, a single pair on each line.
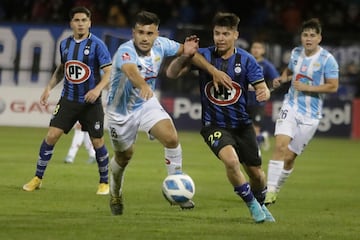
56, 110
283, 113
214, 137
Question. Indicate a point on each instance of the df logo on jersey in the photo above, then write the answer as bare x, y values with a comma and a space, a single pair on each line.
224, 96
77, 72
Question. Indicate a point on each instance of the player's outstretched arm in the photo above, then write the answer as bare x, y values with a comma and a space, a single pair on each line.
132, 72
182, 64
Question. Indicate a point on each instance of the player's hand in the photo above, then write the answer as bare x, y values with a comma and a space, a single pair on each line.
45, 96
277, 82
146, 92
262, 94
92, 95
221, 78
191, 45
300, 86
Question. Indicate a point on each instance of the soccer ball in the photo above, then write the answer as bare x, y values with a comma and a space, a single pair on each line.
178, 188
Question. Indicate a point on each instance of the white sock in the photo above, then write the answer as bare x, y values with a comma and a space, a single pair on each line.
88, 145
275, 168
76, 142
173, 159
116, 178
283, 177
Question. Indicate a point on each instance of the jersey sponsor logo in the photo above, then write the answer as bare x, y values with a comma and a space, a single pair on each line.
125, 57
304, 79
316, 66
223, 97
77, 72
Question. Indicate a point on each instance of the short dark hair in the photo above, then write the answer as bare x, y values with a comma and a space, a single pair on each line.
223, 19
75, 10
313, 23
147, 18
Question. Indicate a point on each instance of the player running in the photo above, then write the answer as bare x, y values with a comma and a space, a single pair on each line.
313, 71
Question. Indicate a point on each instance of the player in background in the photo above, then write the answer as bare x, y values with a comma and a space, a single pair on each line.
256, 109
313, 72
83, 55
227, 127
132, 105
80, 137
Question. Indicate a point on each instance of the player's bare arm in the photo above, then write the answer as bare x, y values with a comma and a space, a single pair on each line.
182, 63
137, 80
330, 86
262, 92
93, 94
57, 77
285, 77
219, 77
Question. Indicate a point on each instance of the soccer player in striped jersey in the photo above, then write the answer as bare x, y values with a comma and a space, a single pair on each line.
313, 72
133, 106
83, 56
227, 127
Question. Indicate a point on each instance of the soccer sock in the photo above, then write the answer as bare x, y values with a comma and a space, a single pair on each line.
116, 178
260, 139
88, 145
102, 159
45, 154
283, 177
173, 159
274, 170
76, 142
244, 191
260, 195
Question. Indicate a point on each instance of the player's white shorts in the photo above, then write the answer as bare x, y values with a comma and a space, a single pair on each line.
297, 126
123, 131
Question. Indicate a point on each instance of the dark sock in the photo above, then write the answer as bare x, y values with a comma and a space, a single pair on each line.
45, 154
102, 159
244, 192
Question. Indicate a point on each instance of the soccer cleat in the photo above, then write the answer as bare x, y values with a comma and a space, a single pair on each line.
34, 184
91, 160
256, 211
187, 205
116, 205
268, 216
103, 189
270, 198
69, 159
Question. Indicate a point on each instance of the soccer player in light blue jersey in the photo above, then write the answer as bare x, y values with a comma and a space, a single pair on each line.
313, 72
132, 105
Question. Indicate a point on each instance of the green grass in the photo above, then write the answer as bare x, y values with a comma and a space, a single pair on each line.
319, 201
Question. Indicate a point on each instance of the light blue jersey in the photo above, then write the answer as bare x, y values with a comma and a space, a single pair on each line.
313, 71
123, 97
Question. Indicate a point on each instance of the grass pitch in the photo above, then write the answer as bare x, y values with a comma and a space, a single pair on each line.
319, 201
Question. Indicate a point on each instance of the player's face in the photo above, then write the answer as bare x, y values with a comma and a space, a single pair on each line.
80, 24
257, 50
144, 37
224, 40
310, 41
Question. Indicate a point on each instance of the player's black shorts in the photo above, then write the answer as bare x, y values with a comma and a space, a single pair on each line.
257, 113
242, 139
90, 116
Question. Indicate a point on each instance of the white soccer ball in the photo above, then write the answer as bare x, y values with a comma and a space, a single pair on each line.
178, 188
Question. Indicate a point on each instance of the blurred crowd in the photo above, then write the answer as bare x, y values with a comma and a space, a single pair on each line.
284, 14
270, 20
